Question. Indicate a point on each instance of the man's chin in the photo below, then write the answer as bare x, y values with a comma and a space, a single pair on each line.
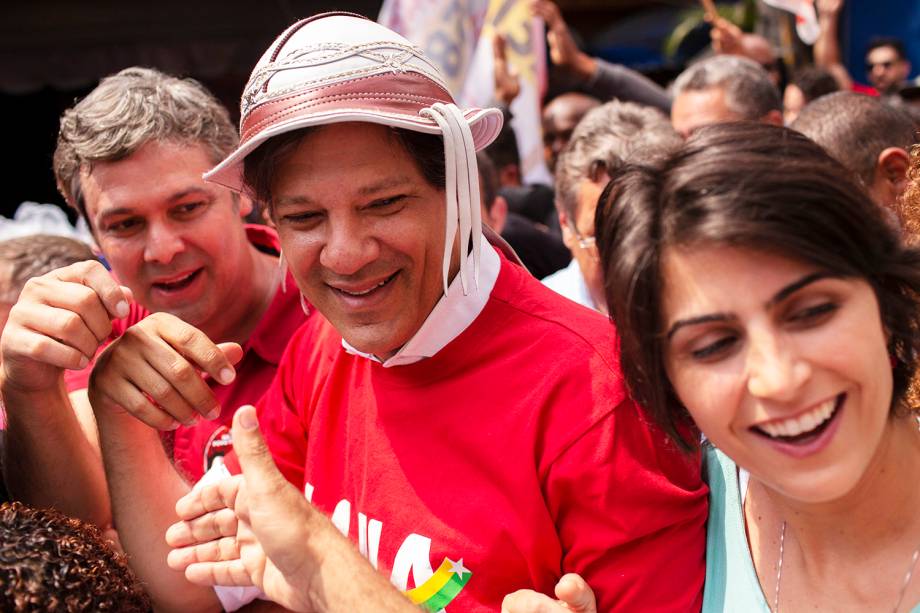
373, 340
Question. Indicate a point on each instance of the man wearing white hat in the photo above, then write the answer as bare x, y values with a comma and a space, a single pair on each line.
464, 425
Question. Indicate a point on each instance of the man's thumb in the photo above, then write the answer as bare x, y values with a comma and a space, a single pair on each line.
255, 459
575, 593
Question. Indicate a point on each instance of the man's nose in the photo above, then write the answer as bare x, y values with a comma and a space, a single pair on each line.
349, 247
164, 242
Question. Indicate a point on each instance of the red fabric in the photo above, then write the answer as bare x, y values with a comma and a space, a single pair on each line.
859, 88
195, 448
515, 448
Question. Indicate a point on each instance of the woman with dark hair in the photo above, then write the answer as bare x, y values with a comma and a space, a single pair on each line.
760, 295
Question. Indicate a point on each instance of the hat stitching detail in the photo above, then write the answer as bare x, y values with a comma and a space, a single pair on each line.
253, 99
256, 88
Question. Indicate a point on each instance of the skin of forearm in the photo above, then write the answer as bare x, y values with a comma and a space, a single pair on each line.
48, 460
584, 66
144, 487
344, 580
827, 49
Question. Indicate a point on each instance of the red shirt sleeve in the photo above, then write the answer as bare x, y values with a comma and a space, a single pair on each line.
630, 510
283, 409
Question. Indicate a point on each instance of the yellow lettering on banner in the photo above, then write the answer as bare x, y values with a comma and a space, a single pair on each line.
512, 19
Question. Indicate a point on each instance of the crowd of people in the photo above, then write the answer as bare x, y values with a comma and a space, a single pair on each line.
345, 359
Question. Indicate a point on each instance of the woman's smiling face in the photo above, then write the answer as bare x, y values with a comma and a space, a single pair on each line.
783, 367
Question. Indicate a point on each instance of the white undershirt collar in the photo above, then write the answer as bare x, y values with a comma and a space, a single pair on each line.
453, 314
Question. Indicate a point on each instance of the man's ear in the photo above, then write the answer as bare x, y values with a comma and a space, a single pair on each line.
498, 214
245, 205
890, 178
568, 237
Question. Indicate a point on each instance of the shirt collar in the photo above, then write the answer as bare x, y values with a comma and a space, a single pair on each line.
284, 314
453, 314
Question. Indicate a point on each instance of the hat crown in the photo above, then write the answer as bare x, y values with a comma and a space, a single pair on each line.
329, 49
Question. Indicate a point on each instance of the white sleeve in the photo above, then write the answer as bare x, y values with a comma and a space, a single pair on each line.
217, 473
231, 597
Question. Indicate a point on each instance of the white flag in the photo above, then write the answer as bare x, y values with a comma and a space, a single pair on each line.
806, 19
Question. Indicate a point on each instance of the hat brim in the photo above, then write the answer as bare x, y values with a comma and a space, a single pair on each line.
485, 124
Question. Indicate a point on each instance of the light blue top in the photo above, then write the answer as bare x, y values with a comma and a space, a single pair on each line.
731, 581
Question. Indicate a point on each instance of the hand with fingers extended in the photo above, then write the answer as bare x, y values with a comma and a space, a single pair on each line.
251, 529
572, 592
154, 372
562, 48
58, 323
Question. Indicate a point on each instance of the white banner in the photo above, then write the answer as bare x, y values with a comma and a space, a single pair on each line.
457, 35
806, 19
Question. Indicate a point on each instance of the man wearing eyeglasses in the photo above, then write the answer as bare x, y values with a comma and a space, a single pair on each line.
608, 137
887, 65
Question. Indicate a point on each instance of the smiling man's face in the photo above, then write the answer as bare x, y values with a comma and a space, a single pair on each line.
179, 243
363, 233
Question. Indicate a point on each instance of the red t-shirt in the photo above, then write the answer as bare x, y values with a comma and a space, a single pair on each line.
509, 458
196, 448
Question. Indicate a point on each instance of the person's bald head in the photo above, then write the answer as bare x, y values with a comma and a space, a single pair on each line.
560, 116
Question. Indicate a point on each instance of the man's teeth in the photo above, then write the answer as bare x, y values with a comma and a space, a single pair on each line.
367, 291
803, 423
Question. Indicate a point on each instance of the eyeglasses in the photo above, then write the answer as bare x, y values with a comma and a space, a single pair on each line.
886, 65
585, 242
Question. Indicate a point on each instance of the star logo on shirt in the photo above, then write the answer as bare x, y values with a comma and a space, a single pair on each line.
458, 568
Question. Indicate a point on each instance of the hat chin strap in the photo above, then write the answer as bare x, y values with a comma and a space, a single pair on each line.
462, 191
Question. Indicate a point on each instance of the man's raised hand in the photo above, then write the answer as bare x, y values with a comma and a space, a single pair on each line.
153, 371
562, 48
252, 529
58, 323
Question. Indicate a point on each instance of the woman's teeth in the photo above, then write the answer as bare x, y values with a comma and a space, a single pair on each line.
802, 423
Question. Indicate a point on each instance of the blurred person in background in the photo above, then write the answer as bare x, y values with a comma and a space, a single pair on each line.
607, 138
887, 66
869, 138
808, 83
724, 88
32, 256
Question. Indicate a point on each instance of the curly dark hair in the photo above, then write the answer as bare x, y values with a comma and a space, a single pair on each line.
51, 562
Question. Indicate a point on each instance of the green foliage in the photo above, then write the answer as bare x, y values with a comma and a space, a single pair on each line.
743, 14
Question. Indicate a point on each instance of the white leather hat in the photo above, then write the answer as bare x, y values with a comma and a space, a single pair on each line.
338, 67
